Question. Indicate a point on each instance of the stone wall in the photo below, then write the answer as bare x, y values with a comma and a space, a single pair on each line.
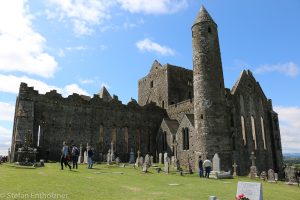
79, 121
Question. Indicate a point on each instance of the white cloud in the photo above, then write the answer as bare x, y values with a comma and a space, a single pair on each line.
154, 6
21, 47
86, 81
73, 88
11, 84
148, 45
289, 128
82, 13
77, 48
6, 111
290, 69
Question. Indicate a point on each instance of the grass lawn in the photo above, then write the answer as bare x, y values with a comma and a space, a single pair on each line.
112, 182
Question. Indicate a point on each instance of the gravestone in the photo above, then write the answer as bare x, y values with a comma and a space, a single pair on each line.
167, 167
85, 157
263, 175
118, 160
165, 157
251, 190
253, 169
151, 160
271, 176
108, 158
137, 162
131, 157
80, 158
234, 169
216, 163
276, 176
253, 172
160, 158
141, 161
112, 153
290, 175
146, 164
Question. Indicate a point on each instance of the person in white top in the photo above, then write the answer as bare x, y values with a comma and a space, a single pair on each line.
207, 166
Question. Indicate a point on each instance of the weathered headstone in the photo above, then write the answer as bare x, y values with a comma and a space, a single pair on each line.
146, 164
137, 162
112, 153
85, 157
253, 172
108, 158
131, 156
165, 157
276, 176
160, 158
118, 161
263, 175
290, 175
167, 167
271, 176
141, 161
216, 163
234, 169
251, 190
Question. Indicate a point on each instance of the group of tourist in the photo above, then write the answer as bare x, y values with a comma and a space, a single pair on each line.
3, 159
206, 165
72, 154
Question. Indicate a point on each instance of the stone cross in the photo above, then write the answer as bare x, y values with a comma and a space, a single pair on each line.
234, 169
252, 157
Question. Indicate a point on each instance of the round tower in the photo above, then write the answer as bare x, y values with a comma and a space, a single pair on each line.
209, 93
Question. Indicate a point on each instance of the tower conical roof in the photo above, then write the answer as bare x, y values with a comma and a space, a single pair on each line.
104, 94
203, 16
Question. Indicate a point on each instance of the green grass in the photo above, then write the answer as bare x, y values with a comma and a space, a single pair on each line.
85, 184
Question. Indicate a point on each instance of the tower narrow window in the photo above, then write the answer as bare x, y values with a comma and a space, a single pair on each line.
243, 129
163, 104
151, 84
209, 30
263, 132
185, 134
253, 132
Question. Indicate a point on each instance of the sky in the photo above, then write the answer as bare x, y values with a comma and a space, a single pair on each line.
78, 46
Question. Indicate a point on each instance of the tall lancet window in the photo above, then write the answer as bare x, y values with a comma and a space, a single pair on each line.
39, 136
263, 132
243, 129
253, 132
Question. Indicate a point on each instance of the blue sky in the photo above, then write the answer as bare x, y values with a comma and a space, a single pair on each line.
81, 45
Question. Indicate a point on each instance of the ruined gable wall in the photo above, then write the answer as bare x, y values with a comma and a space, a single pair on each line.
249, 100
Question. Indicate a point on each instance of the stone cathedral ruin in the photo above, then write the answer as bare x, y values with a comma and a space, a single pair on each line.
183, 112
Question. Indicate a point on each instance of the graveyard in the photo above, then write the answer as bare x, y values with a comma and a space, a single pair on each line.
119, 182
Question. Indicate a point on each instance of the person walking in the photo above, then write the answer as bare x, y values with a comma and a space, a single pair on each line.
75, 154
90, 157
200, 167
207, 166
64, 156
